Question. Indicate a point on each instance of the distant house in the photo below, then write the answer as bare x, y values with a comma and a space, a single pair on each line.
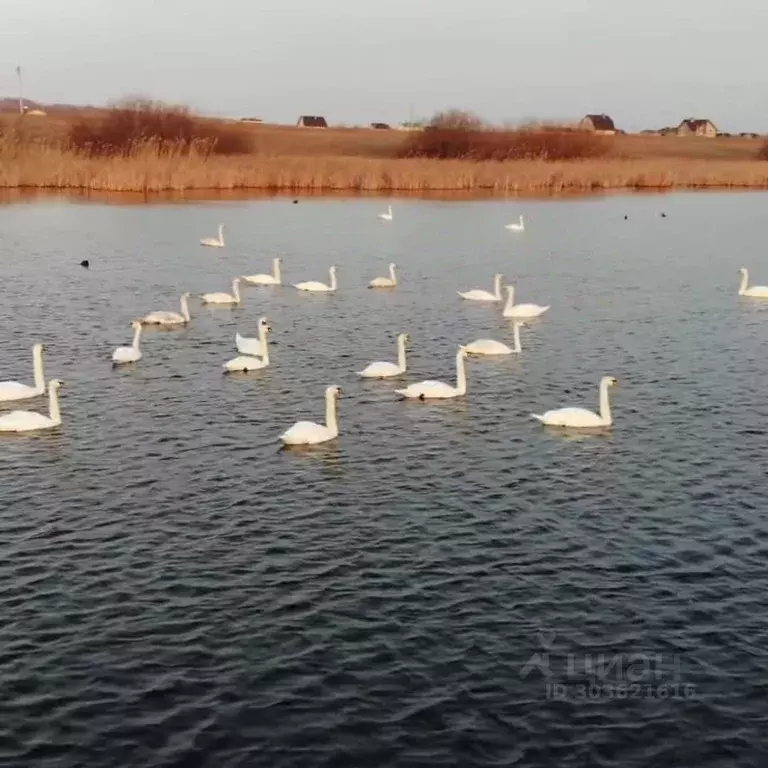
601, 124
668, 131
749, 135
695, 127
380, 126
250, 120
312, 121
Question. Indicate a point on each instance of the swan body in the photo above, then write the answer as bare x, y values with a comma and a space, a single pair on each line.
759, 291
386, 216
310, 433
518, 227
247, 363
439, 390
161, 317
479, 295
15, 390
129, 354
491, 347
249, 345
581, 418
223, 298
383, 369
29, 421
521, 310
274, 279
317, 287
215, 242
385, 282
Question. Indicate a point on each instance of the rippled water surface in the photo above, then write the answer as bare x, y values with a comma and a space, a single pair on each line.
448, 583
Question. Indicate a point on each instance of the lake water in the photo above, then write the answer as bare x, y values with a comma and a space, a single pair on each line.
448, 583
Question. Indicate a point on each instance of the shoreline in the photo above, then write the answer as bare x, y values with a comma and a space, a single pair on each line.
47, 170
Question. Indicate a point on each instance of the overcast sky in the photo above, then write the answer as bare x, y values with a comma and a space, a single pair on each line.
647, 63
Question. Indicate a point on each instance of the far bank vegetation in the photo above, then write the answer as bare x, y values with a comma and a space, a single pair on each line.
141, 145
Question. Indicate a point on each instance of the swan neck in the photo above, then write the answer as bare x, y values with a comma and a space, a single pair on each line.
53, 405
461, 375
264, 343
221, 234
136, 335
510, 297
37, 363
497, 286
392, 274
401, 353
236, 290
605, 405
518, 348
185, 308
276, 270
744, 281
330, 413
333, 279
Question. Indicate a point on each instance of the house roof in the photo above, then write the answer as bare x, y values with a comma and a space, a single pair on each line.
380, 126
313, 121
601, 122
694, 123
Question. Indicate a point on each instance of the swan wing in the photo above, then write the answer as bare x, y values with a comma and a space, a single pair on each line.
380, 370
757, 290
244, 363
218, 298
312, 285
429, 388
570, 417
126, 355
487, 347
260, 279
162, 318
24, 421
525, 310
306, 433
381, 282
14, 390
477, 294
248, 345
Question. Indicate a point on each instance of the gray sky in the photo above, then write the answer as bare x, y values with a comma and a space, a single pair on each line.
648, 63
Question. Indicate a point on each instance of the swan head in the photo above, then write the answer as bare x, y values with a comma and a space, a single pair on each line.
185, 295
55, 384
333, 392
37, 348
743, 270
392, 265
609, 381
135, 325
462, 350
403, 336
333, 269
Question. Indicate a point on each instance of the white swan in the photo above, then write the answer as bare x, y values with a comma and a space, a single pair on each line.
221, 297
249, 345
519, 227
14, 390
438, 389
491, 347
262, 279
318, 287
28, 421
215, 242
760, 291
129, 354
247, 363
383, 370
521, 310
581, 417
386, 216
385, 282
476, 294
161, 317
309, 433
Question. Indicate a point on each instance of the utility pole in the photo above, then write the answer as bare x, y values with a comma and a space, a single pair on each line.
21, 92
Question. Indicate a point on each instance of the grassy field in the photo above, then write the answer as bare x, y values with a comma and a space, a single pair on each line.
34, 154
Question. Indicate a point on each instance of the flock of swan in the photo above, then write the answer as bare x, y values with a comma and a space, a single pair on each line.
254, 353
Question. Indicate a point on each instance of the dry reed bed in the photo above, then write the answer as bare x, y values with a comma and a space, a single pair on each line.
44, 165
